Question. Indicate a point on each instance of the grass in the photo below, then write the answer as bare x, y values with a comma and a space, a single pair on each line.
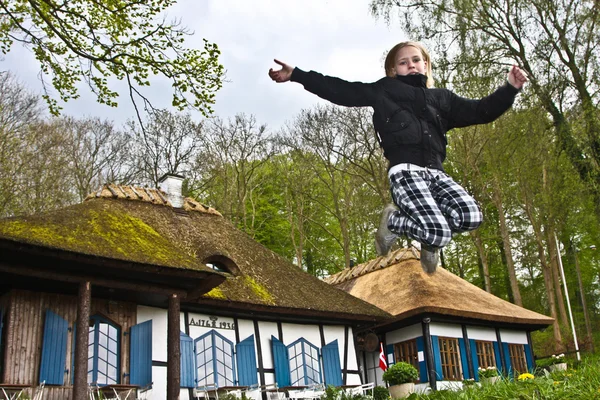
580, 381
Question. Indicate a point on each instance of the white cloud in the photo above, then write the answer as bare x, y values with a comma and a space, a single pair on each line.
335, 37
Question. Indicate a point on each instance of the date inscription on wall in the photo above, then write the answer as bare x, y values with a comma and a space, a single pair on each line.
212, 322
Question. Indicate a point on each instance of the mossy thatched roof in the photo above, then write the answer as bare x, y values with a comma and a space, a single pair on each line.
397, 284
136, 228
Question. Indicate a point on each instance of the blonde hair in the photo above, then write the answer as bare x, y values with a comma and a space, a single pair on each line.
390, 60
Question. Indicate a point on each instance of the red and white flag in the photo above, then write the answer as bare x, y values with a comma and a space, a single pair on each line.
382, 361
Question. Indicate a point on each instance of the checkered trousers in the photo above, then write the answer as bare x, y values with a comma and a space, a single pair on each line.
432, 207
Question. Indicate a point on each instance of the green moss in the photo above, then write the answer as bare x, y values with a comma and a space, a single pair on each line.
259, 290
216, 293
108, 232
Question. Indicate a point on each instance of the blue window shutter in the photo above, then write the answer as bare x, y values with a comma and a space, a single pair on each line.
437, 358
280, 362
475, 359
422, 364
187, 369
246, 361
498, 358
463, 358
507, 359
140, 354
54, 349
331, 364
529, 357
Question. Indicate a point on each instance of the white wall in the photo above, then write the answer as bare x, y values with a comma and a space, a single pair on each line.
482, 333
199, 324
517, 337
447, 330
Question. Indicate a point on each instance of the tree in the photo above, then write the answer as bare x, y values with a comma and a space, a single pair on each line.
168, 145
93, 41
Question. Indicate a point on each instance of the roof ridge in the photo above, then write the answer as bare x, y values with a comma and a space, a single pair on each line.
147, 195
374, 264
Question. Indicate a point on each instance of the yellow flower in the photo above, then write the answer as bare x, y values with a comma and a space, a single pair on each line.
525, 376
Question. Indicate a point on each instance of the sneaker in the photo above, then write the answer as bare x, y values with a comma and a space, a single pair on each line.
384, 238
430, 257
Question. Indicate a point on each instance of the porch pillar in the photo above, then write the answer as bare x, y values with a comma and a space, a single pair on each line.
428, 347
173, 349
80, 383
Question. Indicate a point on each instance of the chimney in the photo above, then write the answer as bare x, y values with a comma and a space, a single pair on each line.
171, 185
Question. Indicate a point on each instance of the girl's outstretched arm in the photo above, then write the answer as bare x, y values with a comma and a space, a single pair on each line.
282, 75
516, 77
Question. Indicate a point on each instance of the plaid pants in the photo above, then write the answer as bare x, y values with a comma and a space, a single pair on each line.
432, 207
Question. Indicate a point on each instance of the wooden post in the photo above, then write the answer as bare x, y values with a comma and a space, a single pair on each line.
428, 347
173, 349
470, 356
80, 383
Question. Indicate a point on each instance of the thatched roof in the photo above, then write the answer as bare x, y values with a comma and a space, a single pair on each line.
398, 285
139, 225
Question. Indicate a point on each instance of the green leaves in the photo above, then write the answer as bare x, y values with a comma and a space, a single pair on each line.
98, 42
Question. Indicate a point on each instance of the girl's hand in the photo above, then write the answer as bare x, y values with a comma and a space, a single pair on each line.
282, 75
516, 77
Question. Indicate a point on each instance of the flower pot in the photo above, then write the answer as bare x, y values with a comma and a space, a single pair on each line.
401, 391
558, 367
490, 380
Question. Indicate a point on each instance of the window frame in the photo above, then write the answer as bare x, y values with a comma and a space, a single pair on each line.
406, 351
451, 365
215, 359
485, 353
516, 353
304, 354
97, 320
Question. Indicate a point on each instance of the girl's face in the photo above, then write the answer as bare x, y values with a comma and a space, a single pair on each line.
409, 60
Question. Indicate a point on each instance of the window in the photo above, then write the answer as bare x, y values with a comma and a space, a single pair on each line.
221, 264
449, 353
305, 367
485, 354
407, 352
517, 358
103, 351
214, 360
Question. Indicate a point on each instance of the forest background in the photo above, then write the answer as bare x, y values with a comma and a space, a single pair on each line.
313, 190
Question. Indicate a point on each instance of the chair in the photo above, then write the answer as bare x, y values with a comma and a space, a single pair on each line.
314, 391
93, 391
204, 391
272, 391
143, 393
363, 389
39, 391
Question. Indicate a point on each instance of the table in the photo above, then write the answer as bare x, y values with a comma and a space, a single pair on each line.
225, 389
121, 392
12, 391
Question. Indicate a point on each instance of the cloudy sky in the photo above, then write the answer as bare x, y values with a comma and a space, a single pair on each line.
335, 37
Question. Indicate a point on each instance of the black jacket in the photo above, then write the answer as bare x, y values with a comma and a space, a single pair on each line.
410, 119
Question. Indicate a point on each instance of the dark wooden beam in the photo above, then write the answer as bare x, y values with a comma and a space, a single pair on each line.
428, 347
80, 383
173, 348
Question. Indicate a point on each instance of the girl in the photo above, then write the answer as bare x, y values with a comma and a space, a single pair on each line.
411, 119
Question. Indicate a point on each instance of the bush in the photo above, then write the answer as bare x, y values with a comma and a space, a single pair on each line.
400, 373
381, 393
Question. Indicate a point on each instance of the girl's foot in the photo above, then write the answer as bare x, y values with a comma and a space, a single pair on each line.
384, 238
430, 257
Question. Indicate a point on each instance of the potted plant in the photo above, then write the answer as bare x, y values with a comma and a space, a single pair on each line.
558, 363
400, 378
488, 375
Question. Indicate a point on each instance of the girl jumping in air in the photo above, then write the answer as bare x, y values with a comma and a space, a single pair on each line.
411, 119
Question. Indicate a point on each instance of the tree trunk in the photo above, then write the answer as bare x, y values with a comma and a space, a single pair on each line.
510, 264
554, 252
483, 259
586, 316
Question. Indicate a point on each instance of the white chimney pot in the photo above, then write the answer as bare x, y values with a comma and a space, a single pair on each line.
171, 185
